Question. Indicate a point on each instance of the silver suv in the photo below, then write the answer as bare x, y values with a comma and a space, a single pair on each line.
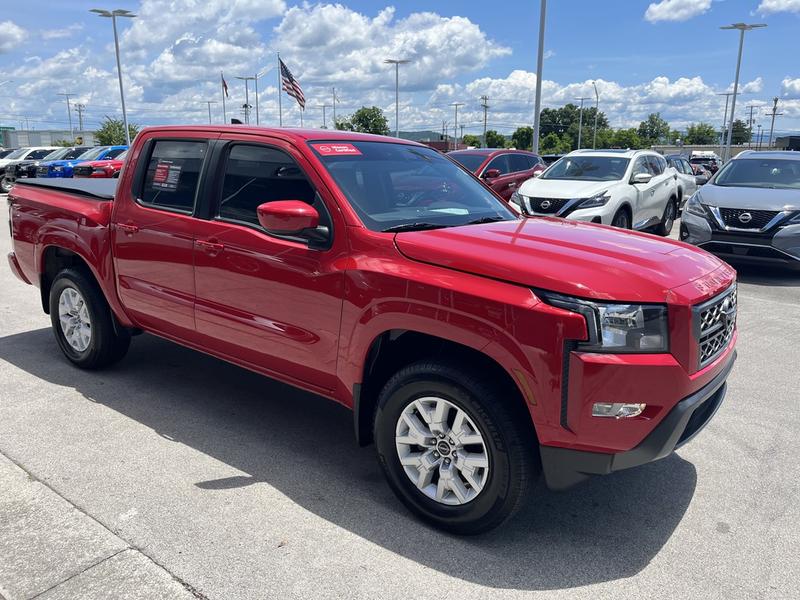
749, 211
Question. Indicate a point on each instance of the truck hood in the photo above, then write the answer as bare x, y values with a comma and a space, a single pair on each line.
752, 198
563, 188
568, 257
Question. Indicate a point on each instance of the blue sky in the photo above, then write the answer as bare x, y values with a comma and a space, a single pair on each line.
646, 56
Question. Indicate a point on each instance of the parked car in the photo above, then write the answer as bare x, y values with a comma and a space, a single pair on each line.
549, 159
701, 174
475, 347
503, 170
6, 151
708, 159
630, 189
684, 177
100, 168
64, 167
750, 211
33, 153
28, 168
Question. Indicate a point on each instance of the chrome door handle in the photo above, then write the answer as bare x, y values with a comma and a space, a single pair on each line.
128, 228
512, 184
209, 247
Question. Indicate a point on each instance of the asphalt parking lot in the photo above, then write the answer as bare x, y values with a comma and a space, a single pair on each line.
174, 474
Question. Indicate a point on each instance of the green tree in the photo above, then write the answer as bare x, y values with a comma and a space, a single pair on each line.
741, 134
653, 130
522, 138
471, 140
567, 119
112, 132
494, 139
700, 133
365, 120
626, 138
63, 143
554, 143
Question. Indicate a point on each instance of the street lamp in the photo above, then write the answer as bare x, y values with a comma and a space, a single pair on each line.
247, 97
539, 67
396, 62
596, 112
580, 120
742, 27
113, 14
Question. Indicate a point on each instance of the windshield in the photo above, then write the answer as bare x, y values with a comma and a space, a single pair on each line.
470, 161
57, 154
92, 153
394, 186
760, 173
123, 155
588, 168
17, 153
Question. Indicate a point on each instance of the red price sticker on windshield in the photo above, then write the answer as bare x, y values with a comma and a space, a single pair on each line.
330, 149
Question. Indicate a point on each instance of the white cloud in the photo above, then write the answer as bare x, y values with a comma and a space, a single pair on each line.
11, 35
774, 6
676, 10
64, 32
790, 87
753, 87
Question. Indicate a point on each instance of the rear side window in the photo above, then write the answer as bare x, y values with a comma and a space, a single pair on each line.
519, 162
656, 165
173, 174
258, 174
37, 154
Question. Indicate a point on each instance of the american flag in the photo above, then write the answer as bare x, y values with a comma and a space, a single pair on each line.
291, 86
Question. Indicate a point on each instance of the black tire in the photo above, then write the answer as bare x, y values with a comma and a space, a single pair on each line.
621, 219
510, 443
106, 346
5, 185
664, 228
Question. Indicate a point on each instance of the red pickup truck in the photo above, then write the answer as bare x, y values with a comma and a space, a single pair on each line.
477, 349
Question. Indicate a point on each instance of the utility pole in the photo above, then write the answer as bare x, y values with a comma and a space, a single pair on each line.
758, 145
485, 106
539, 68
750, 127
580, 120
209, 103
462, 131
774, 114
335, 100
444, 136
79, 108
69, 113
455, 124
323, 107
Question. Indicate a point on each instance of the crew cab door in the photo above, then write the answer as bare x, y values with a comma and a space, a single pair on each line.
272, 302
153, 233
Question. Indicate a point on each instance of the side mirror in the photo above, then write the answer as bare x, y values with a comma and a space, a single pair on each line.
642, 178
287, 217
538, 173
700, 179
491, 173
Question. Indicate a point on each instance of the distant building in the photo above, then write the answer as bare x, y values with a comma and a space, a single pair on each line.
788, 142
19, 138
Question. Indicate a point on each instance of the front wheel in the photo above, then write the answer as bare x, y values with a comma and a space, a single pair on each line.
621, 219
5, 185
664, 228
82, 322
451, 448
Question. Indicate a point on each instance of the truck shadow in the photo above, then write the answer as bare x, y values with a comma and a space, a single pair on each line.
607, 529
767, 275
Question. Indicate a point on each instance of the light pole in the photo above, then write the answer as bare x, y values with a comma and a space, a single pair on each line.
69, 115
596, 112
210, 102
724, 123
742, 27
774, 114
246, 96
455, 124
539, 67
396, 62
324, 120
113, 14
257, 75
580, 120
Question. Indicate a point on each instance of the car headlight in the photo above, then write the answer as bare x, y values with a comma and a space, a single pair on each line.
516, 199
58, 168
618, 328
695, 207
795, 219
597, 200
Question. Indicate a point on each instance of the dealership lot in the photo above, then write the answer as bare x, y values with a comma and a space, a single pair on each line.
174, 474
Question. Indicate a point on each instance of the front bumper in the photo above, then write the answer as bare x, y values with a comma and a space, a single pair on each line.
563, 467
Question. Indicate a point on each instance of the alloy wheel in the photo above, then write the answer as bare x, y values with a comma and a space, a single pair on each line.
73, 315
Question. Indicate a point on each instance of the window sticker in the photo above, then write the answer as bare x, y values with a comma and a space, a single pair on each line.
331, 149
167, 175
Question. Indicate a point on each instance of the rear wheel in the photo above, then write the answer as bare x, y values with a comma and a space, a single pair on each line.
82, 322
5, 185
621, 219
451, 449
668, 218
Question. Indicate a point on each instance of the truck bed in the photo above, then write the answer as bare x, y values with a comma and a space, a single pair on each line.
101, 189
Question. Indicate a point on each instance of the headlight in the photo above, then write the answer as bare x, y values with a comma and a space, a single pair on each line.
795, 219
58, 168
618, 328
516, 199
694, 207
596, 200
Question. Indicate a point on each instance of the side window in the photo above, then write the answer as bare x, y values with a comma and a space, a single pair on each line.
258, 174
114, 153
37, 154
519, 162
655, 164
641, 166
173, 174
501, 163
687, 168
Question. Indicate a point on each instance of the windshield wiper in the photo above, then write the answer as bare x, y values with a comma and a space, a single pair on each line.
483, 220
417, 226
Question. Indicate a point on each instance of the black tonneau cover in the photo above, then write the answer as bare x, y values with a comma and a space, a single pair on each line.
101, 189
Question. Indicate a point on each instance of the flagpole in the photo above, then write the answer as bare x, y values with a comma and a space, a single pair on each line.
222, 85
301, 116
280, 80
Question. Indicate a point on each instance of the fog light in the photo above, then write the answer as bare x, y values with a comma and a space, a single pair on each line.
617, 410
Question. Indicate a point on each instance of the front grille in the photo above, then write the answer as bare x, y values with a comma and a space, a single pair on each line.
547, 205
82, 171
753, 219
714, 323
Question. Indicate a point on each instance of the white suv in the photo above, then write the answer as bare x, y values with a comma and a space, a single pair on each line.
624, 188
